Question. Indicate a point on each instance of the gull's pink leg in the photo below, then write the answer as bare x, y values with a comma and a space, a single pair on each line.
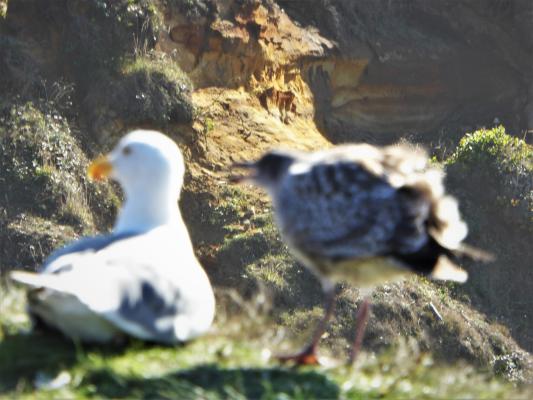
362, 319
308, 356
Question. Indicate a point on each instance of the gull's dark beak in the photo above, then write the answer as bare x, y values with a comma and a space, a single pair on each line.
249, 166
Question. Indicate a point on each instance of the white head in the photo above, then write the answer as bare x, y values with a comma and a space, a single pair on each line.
150, 168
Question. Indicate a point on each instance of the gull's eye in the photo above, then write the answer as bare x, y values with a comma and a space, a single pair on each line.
126, 150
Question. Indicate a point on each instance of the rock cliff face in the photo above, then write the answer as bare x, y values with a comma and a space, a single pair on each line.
373, 70
252, 46
228, 79
417, 67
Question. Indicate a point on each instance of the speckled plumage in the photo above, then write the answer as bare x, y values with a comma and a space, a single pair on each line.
353, 207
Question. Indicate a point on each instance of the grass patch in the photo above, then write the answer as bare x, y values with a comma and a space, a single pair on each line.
252, 254
229, 363
151, 64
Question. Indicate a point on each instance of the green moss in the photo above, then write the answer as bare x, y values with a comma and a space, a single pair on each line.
269, 269
302, 322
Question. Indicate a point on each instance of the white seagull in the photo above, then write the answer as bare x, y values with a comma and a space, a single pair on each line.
362, 214
143, 279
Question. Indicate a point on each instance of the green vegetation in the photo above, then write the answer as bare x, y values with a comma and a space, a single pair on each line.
154, 65
250, 254
229, 363
493, 145
47, 198
490, 172
107, 56
505, 164
250, 258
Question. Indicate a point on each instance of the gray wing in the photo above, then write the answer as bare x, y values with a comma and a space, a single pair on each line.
134, 298
86, 244
148, 306
142, 299
340, 210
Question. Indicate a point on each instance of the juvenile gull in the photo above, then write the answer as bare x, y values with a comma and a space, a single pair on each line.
141, 280
362, 214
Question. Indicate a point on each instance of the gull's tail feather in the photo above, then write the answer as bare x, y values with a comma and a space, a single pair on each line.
449, 230
446, 270
473, 253
35, 280
435, 261
445, 223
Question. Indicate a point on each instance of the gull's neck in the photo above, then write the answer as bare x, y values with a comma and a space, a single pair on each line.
145, 210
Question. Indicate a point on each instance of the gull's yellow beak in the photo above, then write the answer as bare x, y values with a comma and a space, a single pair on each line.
99, 169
